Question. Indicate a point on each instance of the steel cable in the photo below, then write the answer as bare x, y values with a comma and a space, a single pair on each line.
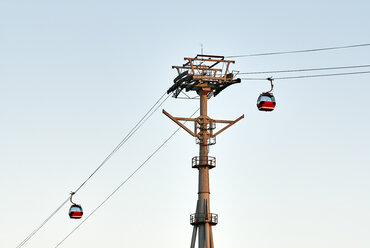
120, 186
147, 115
304, 70
299, 51
310, 76
42, 224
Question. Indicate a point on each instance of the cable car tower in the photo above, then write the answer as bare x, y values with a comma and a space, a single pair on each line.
207, 75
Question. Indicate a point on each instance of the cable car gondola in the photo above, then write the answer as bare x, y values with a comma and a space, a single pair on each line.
266, 100
75, 211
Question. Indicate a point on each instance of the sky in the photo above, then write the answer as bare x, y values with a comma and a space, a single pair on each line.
76, 76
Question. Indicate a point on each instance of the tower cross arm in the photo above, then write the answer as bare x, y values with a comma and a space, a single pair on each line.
177, 121
230, 123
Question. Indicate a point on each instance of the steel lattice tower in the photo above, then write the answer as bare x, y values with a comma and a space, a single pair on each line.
207, 75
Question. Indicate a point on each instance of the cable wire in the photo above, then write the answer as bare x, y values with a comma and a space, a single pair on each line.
141, 122
311, 76
299, 51
303, 70
148, 114
120, 186
42, 224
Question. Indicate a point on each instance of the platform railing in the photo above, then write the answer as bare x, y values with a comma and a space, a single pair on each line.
204, 161
210, 141
199, 218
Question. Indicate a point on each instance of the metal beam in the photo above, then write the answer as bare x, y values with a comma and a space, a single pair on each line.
212, 60
230, 124
203, 67
194, 237
179, 123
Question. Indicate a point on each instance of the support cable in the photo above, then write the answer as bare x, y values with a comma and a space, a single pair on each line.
304, 70
42, 224
299, 51
310, 76
127, 137
123, 183
147, 115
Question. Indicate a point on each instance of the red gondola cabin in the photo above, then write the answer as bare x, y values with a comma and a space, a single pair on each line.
75, 211
266, 102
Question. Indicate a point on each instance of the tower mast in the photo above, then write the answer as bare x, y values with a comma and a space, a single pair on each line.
207, 75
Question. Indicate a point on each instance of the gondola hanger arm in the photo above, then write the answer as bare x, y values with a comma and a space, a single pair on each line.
70, 198
272, 85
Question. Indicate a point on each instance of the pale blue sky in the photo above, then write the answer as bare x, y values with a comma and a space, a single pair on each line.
75, 76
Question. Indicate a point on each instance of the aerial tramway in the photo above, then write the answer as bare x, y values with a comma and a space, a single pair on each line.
206, 81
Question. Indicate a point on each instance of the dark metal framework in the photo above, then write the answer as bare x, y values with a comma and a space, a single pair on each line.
204, 71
